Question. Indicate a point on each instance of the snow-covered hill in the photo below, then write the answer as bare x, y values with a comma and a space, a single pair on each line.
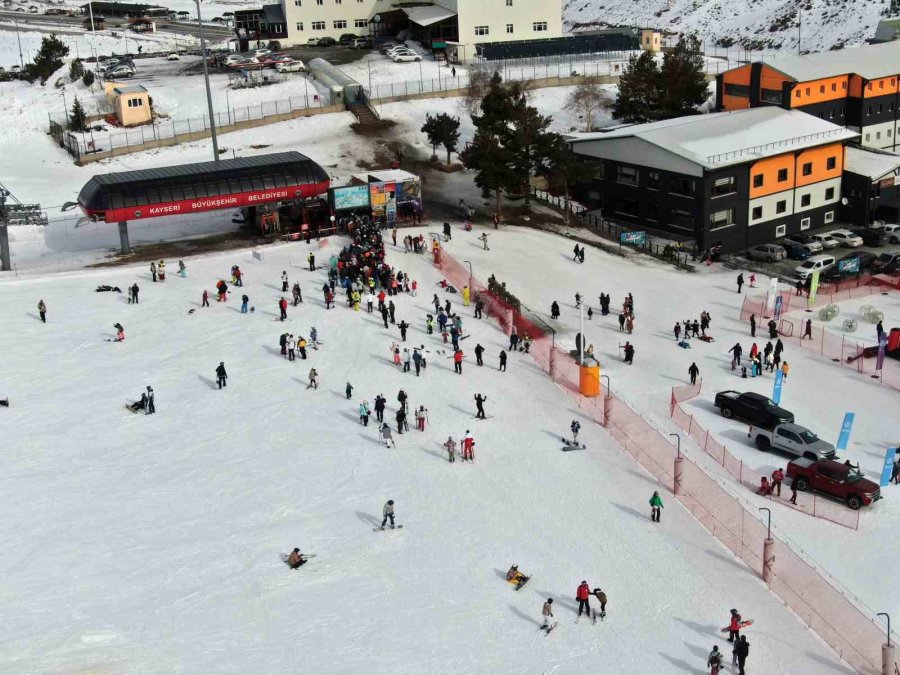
756, 24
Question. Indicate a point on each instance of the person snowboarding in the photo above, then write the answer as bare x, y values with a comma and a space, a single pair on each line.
151, 401
629, 353
468, 447
313, 382
479, 403
714, 661
221, 375
348, 390
364, 413
583, 595
502, 361
740, 282
450, 447
139, 405
734, 626
120, 333
601, 598
388, 513
42, 310
693, 371
575, 427
386, 436
514, 576
296, 559
655, 506
547, 614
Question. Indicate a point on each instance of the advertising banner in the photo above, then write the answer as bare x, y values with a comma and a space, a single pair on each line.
846, 428
633, 238
776, 392
779, 303
813, 287
888, 466
848, 266
771, 294
353, 197
882, 348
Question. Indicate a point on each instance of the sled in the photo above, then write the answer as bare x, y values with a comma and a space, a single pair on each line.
684, 344
707, 338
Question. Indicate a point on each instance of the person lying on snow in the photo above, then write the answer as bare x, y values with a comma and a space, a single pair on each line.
295, 559
514, 576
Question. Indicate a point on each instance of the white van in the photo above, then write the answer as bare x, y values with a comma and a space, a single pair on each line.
816, 263
891, 233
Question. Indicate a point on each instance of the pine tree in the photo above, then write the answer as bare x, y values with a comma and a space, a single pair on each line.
77, 118
638, 99
48, 59
88, 78
448, 133
76, 70
528, 140
683, 81
560, 168
432, 130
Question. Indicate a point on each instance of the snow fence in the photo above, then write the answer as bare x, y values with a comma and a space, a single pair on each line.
853, 632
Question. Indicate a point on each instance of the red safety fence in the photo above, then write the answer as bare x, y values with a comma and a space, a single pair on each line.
846, 351
852, 632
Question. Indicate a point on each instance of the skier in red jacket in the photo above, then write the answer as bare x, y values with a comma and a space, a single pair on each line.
457, 361
282, 305
734, 626
582, 595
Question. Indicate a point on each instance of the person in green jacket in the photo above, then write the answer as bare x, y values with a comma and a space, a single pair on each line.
655, 505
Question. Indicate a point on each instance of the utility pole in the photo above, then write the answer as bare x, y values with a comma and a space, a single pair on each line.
799, 28
19, 40
212, 119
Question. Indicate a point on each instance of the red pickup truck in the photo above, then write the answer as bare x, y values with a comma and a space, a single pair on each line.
835, 479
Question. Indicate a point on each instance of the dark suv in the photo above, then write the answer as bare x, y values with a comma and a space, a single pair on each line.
752, 407
871, 236
346, 39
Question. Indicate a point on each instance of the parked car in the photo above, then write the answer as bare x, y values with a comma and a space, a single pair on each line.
820, 263
397, 48
234, 58
247, 62
260, 54
871, 236
327, 42
362, 43
754, 408
172, 57
827, 241
15, 69
795, 251
846, 238
313, 42
794, 439
346, 39
291, 67
401, 57
119, 71
811, 244
767, 252
390, 44
835, 479
886, 262
32, 10
891, 232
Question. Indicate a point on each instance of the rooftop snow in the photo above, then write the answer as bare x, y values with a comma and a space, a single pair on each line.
386, 176
726, 138
427, 15
870, 61
871, 164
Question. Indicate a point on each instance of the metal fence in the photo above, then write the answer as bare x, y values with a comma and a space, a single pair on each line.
842, 621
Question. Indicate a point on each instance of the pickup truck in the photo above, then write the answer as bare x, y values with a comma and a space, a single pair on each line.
794, 439
754, 408
835, 479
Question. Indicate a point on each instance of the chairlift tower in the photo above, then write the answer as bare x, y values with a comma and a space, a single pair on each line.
13, 213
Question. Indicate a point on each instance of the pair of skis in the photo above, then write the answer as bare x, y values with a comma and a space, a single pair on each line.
572, 445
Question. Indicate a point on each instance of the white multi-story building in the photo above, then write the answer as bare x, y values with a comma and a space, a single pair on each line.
454, 25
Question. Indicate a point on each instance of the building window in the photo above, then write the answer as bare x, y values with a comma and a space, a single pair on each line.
829, 216
834, 86
509, 3
842, 112
337, 2
628, 207
807, 168
627, 175
653, 180
807, 91
782, 175
868, 111
831, 163
721, 219
300, 25
797, 94
683, 187
509, 28
867, 138
780, 230
880, 108
804, 223
724, 186
360, 23
805, 200
539, 26
888, 133
831, 114
781, 207
135, 102
829, 194
758, 180
877, 135
482, 30
741, 90
822, 89
652, 211
320, 2
756, 213
771, 96
298, 3
318, 25
340, 24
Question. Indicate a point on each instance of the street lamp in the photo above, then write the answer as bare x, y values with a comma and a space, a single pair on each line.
769, 524
212, 120
19, 40
678, 439
470, 274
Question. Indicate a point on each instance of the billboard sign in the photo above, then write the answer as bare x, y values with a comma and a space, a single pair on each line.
633, 238
353, 197
848, 266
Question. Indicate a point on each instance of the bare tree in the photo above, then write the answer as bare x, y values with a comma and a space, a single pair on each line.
588, 98
479, 82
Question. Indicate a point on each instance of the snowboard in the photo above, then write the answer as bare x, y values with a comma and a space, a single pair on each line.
550, 627
522, 583
129, 409
602, 616
397, 527
744, 624
573, 446
486, 417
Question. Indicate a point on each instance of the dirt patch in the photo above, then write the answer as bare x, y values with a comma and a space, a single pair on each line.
372, 130
243, 238
260, 146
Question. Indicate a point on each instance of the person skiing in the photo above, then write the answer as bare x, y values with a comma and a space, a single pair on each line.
547, 614
296, 559
479, 404
388, 513
282, 307
484, 241
313, 383
479, 307
401, 421
693, 371
221, 375
364, 413
417, 360
120, 332
583, 595
458, 361
386, 436
734, 626
244, 302
407, 358
740, 282
153, 271
655, 506
502, 361
205, 302
151, 401
42, 310
421, 418
301, 346
182, 269
575, 427
714, 661
403, 326
450, 447
468, 447
742, 650
284, 281
479, 350
348, 390
601, 598
554, 310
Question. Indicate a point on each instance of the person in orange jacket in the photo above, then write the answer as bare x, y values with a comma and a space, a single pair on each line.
777, 478
457, 360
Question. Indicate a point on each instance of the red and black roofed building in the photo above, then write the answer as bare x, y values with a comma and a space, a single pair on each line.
205, 186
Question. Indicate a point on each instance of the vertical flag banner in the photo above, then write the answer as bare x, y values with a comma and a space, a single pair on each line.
888, 466
770, 295
779, 303
813, 287
846, 428
882, 347
776, 393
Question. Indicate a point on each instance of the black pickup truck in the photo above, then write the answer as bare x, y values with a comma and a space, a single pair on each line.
754, 408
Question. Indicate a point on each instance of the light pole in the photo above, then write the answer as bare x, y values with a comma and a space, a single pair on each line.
212, 119
369, 64
608, 385
470, 274
887, 650
19, 40
65, 107
678, 439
